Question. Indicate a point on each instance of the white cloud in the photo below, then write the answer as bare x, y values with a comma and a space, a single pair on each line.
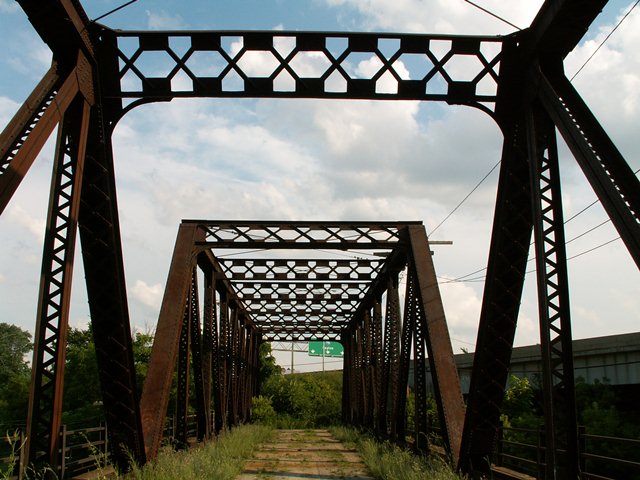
33, 58
7, 109
148, 295
19, 216
441, 16
162, 20
8, 6
2, 278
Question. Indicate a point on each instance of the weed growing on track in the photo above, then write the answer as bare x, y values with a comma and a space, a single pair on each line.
386, 461
221, 458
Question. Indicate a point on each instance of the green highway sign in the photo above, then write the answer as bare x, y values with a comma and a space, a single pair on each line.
331, 349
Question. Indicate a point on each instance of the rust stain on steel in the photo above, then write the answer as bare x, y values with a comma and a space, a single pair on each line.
155, 393
79, 80
444, 371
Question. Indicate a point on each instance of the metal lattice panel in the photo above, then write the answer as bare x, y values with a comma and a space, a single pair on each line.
311, 65
300, 235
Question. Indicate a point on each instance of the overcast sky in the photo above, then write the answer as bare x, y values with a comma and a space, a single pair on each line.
338, 160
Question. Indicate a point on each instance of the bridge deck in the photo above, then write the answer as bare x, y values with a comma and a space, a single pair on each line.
304, 454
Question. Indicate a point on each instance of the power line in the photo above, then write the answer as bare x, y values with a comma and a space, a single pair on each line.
114, 10
493, 14
605, 39
468, 195
597, 200
594, 248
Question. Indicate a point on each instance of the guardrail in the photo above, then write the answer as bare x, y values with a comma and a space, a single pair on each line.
601, 457
81, 450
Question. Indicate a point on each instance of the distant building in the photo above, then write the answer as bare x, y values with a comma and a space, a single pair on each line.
614, 358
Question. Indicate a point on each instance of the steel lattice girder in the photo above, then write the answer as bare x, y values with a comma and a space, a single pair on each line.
528, 59
283, 52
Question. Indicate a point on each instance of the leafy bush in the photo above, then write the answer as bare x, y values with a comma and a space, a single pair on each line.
300, 401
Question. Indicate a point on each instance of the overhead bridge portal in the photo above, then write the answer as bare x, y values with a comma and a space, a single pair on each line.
315, 280
98, 75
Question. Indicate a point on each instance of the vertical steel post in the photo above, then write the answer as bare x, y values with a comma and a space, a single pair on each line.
561, 459
406, 339
182, 397
392, 353
209, 337
196, 356
45, 401
378, 365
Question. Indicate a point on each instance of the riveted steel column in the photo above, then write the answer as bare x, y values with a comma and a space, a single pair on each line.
419, 374
392, 353
429, 309
611, 177
157, 385
224, 363
209, 347
379, 415
182, 396
45, 402
561, 439
509, 250
196, 357
406, 337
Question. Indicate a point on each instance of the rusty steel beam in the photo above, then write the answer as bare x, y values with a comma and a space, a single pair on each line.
209, 347
30, 128
45, 401
63, 25
392, 354
436, 334
157, 384
196, 357
378, 364
558, 27
561, 427
508, 253
610, 176
182, 391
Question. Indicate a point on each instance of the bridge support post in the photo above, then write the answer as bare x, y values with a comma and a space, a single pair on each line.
45, 401
561, 442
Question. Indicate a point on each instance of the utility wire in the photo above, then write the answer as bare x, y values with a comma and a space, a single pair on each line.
597, 200
468, 195
114, 10
493, 14
605, 39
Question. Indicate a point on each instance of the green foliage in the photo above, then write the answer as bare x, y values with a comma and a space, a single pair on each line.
262, 411
221, 459
267, 366
82, 403
389, 462
303, 400
518, 406
15, 374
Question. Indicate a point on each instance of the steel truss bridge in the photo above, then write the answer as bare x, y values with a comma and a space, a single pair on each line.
98, 75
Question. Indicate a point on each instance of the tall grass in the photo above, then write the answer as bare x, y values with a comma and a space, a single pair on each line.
386, 461
221, 458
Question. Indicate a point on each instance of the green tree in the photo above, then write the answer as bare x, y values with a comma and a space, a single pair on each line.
82, 401
15, 375
267, 366
82, 404
304, 400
